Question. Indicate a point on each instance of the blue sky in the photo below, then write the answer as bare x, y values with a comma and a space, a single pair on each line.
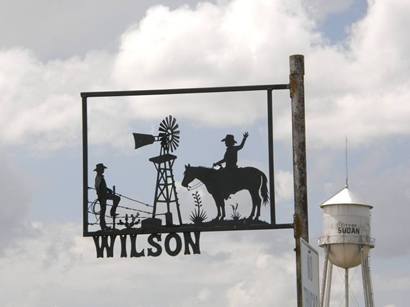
356, 86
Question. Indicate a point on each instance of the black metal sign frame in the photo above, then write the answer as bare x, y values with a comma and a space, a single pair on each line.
105, 239
190, 227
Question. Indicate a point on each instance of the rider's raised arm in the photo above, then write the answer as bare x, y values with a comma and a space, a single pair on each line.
245, 136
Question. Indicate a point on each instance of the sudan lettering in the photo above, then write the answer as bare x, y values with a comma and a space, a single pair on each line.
348, 229
173, 244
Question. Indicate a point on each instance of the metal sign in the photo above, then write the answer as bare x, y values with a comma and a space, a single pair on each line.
102, 203
310, 274
108, 213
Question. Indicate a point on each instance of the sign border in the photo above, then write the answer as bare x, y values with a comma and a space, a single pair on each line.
268, 88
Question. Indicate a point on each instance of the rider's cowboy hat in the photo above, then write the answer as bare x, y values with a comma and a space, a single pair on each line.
99, 166
229, 139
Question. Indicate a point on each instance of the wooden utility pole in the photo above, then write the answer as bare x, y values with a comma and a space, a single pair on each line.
297, 95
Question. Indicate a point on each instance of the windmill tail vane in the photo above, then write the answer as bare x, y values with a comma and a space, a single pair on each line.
143, 139
168, 135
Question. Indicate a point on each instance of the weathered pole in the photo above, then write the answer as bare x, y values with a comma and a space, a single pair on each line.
297, 95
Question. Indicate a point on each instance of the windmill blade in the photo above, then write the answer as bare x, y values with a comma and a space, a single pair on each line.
168, 120
174, 121
176, 138
174, 145
175, 142
162, 126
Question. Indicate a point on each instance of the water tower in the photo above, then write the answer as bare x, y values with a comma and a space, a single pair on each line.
346, 241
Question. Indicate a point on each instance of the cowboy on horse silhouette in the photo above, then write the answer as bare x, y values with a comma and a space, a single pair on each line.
231, 155
230, 179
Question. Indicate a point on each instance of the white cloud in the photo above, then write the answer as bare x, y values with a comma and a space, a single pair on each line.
226, 43
350, 89
253, 290
368, 85
158, 52
247, 39
15, 196
40, 102
284, 185
60, 269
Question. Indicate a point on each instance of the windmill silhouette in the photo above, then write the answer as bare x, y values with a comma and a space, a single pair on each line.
165, 190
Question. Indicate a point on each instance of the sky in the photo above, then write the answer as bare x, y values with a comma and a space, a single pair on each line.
356, 84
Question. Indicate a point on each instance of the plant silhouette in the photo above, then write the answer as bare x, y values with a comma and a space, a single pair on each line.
235, 213
130, 221
198, 215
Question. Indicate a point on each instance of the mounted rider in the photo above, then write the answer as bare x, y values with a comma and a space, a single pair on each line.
231, 155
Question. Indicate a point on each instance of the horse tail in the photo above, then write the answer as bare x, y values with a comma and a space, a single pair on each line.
264, 189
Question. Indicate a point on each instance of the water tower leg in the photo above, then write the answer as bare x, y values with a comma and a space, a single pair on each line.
347, 287
370, 287
324, 277
367, 283
364, 277
328, 283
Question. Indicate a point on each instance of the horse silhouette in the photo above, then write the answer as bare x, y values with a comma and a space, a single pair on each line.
225, 182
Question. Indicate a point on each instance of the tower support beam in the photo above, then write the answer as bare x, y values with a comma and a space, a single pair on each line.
165, 190
328, 283
367, 283
347, 287
324, 277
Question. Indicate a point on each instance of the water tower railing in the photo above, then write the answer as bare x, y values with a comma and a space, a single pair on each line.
347, 239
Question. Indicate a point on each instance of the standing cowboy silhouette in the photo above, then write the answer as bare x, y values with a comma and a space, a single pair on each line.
103, 194
231, 155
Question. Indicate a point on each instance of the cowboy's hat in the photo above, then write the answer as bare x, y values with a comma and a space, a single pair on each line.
229, 139
99, 166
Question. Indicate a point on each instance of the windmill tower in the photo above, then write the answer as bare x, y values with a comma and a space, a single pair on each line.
165, 190
347, 242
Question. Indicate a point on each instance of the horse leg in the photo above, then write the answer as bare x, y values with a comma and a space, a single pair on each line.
221, 210
253, 205
256, 200
222, 205
218, 215
218, 208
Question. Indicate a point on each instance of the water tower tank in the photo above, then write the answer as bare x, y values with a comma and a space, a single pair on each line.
346, 229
